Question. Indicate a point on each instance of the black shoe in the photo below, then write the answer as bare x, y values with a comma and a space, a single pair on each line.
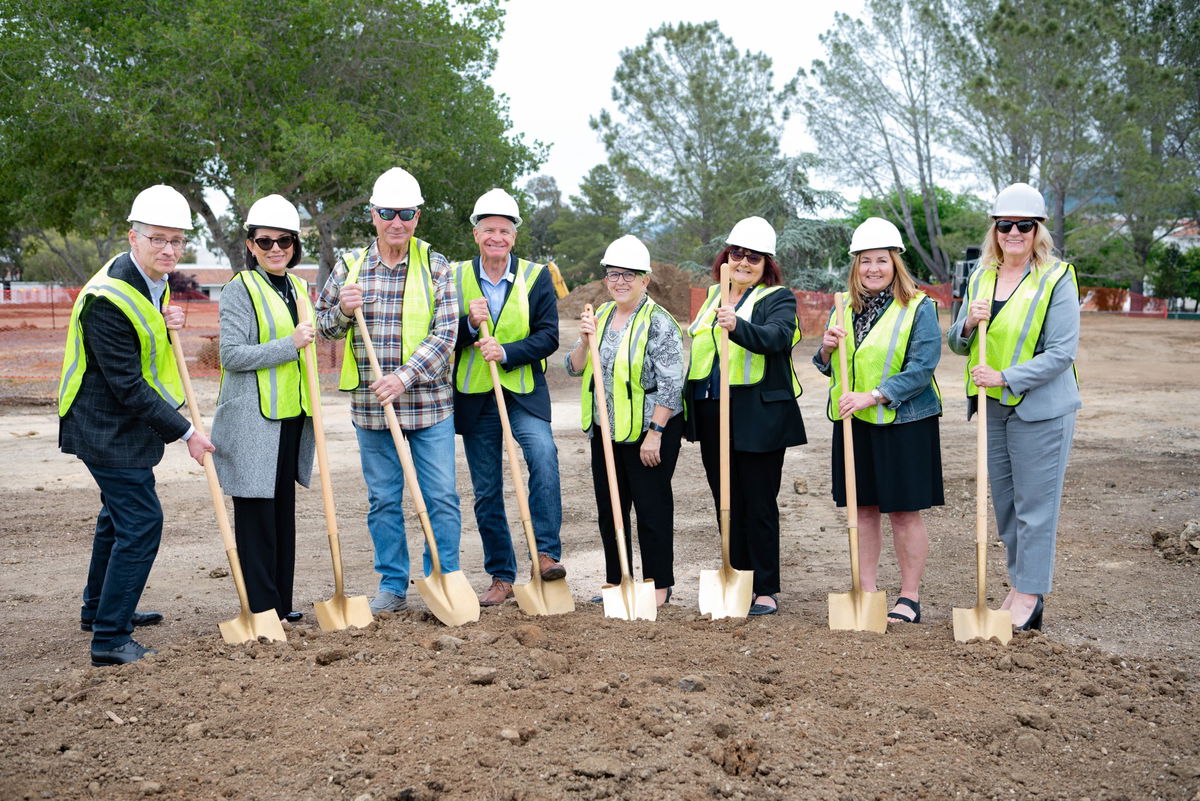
1035, 617
597, 599
762, 609
915, 606
293, 616
139, 619
123, 654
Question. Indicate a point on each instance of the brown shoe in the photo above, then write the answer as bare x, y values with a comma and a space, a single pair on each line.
551, 570
498, 593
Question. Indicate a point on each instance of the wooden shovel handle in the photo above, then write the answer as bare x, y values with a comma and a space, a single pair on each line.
848, 451
981, 473
724, 440
601, 422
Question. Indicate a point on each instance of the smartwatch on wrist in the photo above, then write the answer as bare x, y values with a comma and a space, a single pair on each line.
656, 427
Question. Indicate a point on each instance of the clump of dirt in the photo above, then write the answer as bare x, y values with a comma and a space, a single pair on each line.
1183, 546
670, 286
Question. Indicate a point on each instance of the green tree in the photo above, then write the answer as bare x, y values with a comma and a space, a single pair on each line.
539, 213
583, 229
1176, 275
693, 139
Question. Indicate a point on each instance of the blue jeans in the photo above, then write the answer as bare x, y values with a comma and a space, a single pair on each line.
128, 531
432, 451
484, 446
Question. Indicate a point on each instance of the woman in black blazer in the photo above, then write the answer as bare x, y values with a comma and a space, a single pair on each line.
764, 416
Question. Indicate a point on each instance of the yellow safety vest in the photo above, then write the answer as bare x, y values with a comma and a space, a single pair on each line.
159, 369
282, 389
416, 309
628, 396
746, 367
880, 356
471, 374
1012, 335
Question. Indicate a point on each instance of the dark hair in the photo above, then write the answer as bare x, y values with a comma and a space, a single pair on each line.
297, 249
771, 274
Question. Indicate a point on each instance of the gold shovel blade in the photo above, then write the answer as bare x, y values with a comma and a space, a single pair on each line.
340, 612
449, 597
250, 626
979, 621
544, 597
858, 611
630, 600
726, 593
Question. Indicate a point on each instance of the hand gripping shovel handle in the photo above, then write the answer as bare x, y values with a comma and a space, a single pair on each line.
848, 456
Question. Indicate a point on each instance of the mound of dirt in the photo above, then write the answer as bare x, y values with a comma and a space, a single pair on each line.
670, 286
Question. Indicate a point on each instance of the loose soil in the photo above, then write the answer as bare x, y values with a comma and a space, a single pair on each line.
1103, 704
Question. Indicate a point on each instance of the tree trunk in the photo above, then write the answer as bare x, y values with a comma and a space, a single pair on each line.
231, 248
325, 252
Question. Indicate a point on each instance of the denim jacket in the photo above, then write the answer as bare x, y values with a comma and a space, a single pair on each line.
911, 390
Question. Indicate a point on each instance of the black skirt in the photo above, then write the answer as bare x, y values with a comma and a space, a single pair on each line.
897, 467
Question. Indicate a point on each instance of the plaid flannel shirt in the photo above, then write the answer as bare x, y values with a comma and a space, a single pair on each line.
428, 396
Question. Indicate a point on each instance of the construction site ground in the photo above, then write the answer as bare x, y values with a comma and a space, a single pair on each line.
1102, 704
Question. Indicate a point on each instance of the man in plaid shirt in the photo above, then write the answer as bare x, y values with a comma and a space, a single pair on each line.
409, 304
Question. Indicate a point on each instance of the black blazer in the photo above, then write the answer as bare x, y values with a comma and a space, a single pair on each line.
764, 416
541, 343
117, 420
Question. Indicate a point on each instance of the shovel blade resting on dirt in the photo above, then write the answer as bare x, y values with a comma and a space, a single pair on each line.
980, 621
448, 595
858, 611
630, 600
339, 612
247, 626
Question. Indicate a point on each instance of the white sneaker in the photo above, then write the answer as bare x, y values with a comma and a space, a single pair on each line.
385, 601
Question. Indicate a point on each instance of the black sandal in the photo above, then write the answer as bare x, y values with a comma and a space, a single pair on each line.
757, 609
911, 604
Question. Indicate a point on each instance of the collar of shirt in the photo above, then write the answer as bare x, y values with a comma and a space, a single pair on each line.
373, 257
157, 288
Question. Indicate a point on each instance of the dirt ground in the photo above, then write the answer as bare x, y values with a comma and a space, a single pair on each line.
1104, 704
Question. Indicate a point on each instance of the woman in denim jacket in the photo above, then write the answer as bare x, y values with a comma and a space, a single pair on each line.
895, 404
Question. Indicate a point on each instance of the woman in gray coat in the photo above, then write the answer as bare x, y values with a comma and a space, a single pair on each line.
1032, 302
263, 426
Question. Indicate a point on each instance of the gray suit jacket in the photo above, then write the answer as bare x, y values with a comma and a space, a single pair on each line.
1046, 381
248, 443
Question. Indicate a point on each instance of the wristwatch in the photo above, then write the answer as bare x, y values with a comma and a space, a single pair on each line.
877, 395
656, 427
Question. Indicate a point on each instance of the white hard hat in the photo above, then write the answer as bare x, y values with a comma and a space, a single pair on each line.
1019, 200
627, 252
273, 211
396, 189
161, 205
496, 203
876, 233
754, 233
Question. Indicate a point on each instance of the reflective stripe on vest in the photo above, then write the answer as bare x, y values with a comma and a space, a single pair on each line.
628, 396
880, 356
159, 369
1013, 334
274, 321
471, 374
416, 308
746, 367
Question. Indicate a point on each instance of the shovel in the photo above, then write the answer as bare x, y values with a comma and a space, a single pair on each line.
981, 621
448, 595
247, 626
629, 600
338, 612
538, 597
726, 592
855, 610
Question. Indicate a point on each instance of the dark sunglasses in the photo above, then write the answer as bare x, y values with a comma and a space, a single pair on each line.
748, 256
266, 242
1024, 226
388, 215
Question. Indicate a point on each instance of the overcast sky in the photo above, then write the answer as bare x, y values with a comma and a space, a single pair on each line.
557, 59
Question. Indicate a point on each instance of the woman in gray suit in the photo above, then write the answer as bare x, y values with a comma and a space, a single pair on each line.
1031, 300
263, 426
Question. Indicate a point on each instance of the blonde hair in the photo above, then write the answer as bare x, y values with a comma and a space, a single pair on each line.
904, 288
1043, 248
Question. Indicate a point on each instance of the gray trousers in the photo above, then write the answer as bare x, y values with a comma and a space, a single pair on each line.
1026, 465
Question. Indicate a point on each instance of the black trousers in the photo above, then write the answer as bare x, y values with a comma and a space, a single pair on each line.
753, 491
648, 489
265, 530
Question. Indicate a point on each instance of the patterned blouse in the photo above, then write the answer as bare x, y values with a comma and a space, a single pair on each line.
662, 374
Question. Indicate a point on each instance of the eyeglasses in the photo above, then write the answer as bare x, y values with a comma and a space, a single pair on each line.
623, 276
159, 242
748, 256
387, 215
1024, 226
266, 242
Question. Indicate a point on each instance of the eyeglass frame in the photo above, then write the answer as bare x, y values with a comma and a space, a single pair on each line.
1008, 225
273, 243
159, 242
751, 257
387, 214
622, 276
